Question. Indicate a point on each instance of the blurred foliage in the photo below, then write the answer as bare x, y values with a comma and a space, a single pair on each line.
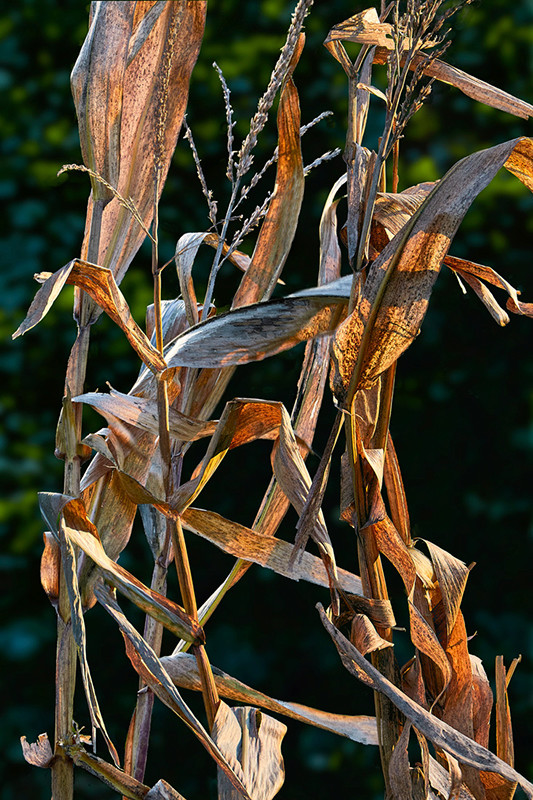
462, 421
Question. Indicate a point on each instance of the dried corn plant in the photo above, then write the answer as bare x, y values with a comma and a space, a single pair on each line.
130, 87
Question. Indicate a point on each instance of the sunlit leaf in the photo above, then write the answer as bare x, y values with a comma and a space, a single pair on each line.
399, 283
183, 670
464, 749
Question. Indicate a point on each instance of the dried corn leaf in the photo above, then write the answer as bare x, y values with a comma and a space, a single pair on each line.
481, 701
257, 331
97, 83
279, 226
186, 250
183, 670
504, 730
68, 563
108, 774
465, 750
238, 258
452, 575
365, 28
266, 550
81, 531
399, 768
441, 780
392, 210
163, 49
396, 294
251, 742
39, 753
471, 86
364, 635
50, 568
153, 673
142, 413
100, 284
163, 791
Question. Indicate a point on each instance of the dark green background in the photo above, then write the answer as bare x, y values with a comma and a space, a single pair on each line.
462, 421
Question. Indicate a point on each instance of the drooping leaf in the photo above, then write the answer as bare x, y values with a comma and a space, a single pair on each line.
152, 671
257, 331
183, 670
464, 749
262, 549
108, 774
399, 283
399, 768
84, 534
364, 635
142, 413
251, 742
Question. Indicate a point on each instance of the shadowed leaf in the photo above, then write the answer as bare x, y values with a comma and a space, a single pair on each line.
251, 741
38, 753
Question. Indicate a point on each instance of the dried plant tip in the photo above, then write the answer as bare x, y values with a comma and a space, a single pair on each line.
229, 121
208, 194
283, 69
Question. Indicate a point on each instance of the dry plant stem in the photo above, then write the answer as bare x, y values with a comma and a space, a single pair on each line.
174, 529
66, 653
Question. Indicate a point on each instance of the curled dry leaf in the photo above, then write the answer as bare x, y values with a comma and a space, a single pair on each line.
399, 283
183, 670
142, 413
151, 670
100, 284
443, 736
251, 742
38, 753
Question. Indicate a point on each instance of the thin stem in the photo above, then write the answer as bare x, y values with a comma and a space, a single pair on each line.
71, 424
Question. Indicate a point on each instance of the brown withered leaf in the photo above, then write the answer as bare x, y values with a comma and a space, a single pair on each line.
504, 730
186, 250
262, 549
142, 413
365, 28
38, 753
452, 575
97, 83
183, 670
482, 699
50, 568
279, 226
100, 284
399, 767
474, 274
392, 210
162, 51
446, 738
364, 635
399, 283
82, 532
258, 331
441, 780
163, 791
151, 670
251, 742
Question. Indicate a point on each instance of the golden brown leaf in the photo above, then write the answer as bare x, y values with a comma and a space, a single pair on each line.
279, 226
464, 749
396, 293
38, 753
